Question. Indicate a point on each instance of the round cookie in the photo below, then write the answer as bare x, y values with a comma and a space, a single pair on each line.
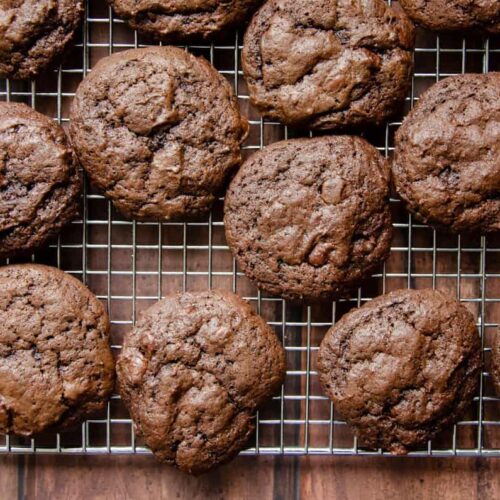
193, 372
39, 180
308, 219
34, 33
171, 20
158, 131
495, 361
56, 366
451, 15
447, 154
328, 64
402, 367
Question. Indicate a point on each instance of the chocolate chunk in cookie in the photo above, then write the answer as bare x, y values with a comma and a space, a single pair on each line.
327, 64
39, 180
158, 131
193, 372
402, 367
447, 157
308, 219
56, 366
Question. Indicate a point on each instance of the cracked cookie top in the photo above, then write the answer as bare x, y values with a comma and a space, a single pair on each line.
171, 20
33, 33
447, 154
157, 130
328, 64
56, 366
39, 180
451, 15
402, 367
309, 218
193, 372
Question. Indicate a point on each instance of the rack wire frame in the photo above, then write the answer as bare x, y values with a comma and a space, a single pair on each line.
129, 264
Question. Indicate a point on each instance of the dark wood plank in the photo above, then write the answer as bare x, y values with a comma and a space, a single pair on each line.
123, 477
395, 478
9, 477
136, 477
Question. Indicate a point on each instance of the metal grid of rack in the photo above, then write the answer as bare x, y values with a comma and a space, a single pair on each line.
130, 265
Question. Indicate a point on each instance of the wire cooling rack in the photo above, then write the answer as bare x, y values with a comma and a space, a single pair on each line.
130, 265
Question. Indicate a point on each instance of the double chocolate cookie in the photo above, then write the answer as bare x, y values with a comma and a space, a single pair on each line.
34, 33
327, 64
56, 367
171, 20
157, 130
451, 15
309, 218
39, 180
193, 372
402, 367
447, 154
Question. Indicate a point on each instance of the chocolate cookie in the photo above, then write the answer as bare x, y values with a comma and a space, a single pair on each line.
309, 218
193, 372
327, 64
495, 361
39, 180
447, 156
450, 15
56, 367
157, 130
171, 20
402, 367
34, 33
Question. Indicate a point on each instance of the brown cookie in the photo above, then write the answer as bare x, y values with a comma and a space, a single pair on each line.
451, 15
308, 219
157, 130
402, 367
327, 64
495, 361
193, 372
56, 367
34, 33
39, 180
447, 154
171, 20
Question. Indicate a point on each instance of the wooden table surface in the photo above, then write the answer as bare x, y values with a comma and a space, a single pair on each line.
140, 477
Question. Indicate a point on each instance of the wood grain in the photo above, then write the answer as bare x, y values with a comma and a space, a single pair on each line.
255, 478
9, 477
345, 478
390, 478
123, 477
